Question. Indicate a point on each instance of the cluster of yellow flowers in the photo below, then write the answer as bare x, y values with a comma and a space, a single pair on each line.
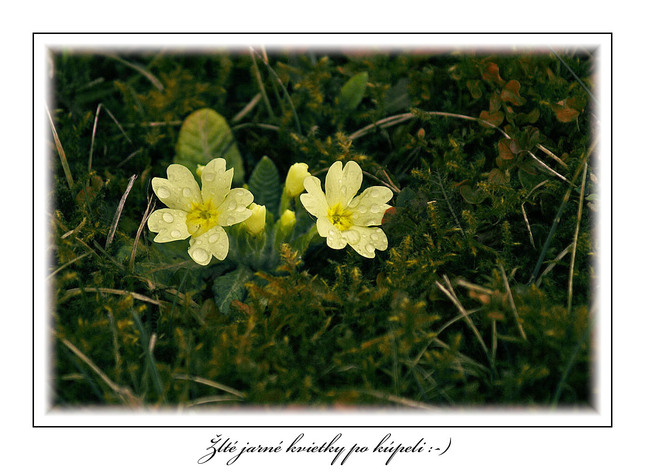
202, 214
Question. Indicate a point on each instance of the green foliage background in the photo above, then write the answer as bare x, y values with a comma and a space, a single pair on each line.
483, 297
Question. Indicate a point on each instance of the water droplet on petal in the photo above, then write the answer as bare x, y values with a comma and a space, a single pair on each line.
213, 238
175, 234
375, 208
369, 248
352, 237
187, 192
200, 255
376, 237
232, 205
230, 220
343, 190
163, 193
208, 177
362, 209
168, 217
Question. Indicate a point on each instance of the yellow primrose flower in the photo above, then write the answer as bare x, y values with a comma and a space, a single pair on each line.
257, 222
294, 184
199, 214
343, 217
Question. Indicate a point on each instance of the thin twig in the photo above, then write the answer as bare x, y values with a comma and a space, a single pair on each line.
149, 209
451, 295
547, 167
140, 69
61, 151
250, 106
575, 240
383, 123
263, 92
65, 265
123, 392
96, 121
574, 75
552, 155
558, 215
284, 90
512, 302
210, 383
119, 209
552, 264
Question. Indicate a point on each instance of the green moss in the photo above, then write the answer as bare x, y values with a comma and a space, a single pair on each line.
454, 312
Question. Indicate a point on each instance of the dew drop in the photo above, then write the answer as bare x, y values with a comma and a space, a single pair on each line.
343, 190
213, 238
163, 193
352, 237
362, 209
230, 220
187, 192
375, 208
208, 177
200, 255
232, 205
175, 234
369, 248
376, 237
168, 217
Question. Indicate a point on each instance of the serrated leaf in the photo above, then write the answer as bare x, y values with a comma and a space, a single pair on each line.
230, 287
352, 92
205, 135
264, 183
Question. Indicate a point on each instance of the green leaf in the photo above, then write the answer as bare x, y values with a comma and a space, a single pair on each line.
264, 183
205, 135
230, 287
397, 97
352, 92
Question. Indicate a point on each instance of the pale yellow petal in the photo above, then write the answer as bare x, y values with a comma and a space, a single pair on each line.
369, 207
179, 190
335, 239
216, 181
314, 199
233, 209
342, 184
168, 224
369, 240
214, 242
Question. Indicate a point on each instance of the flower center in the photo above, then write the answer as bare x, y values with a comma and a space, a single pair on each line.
201, 218
341, 218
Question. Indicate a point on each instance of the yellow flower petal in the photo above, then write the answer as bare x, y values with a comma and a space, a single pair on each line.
212, 243
369, 239
233, 209
314, 200
169, 224
216, 181
369, 207
179, 190
342, 184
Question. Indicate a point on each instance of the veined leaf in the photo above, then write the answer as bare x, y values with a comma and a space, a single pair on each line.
264, 183
205, 135
352, 92
230, 287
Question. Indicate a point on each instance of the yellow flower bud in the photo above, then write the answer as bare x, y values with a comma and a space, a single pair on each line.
294, 184
257, 221
287, 221
198, 172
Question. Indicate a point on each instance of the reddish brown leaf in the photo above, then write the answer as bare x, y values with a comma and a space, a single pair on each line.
491, 74
511, 93
504, 149
495, 119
